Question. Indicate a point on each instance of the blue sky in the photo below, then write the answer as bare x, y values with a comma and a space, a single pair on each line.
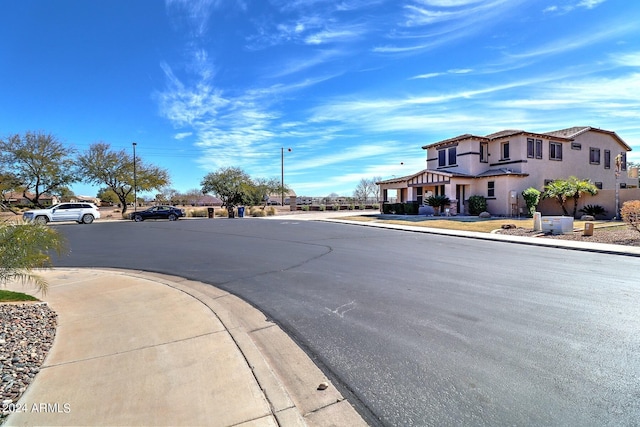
353, 87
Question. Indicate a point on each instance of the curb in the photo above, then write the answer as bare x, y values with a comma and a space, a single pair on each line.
531, 241
286, 375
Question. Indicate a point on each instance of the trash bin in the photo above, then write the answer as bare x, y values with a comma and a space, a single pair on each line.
240, 211
210, 212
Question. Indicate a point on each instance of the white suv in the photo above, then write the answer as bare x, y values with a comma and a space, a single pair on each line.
82, 213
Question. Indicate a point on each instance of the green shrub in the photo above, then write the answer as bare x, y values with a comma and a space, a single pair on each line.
336, 207
477, 205
531, 198
271, 211
631, 214
593, 210
411, 208
375, 206
323, 207
305, 208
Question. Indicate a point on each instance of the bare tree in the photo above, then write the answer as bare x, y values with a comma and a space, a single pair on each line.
366, 189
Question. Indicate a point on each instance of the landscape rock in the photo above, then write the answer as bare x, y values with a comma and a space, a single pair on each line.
27, 332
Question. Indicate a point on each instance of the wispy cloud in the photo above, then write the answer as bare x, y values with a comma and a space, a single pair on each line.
566, 8
429, 24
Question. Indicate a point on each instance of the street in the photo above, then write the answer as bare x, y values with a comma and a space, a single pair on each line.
417, 329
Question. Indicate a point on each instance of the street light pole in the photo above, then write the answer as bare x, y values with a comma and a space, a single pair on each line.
135, 183
282, 174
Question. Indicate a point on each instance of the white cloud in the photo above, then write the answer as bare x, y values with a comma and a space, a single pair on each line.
590, 4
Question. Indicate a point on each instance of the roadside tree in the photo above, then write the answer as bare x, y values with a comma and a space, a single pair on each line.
366, 189
103, 166
107, 195
231, 184
8, 184
261, 188
39, 162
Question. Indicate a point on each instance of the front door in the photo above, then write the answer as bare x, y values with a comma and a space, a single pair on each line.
460, 196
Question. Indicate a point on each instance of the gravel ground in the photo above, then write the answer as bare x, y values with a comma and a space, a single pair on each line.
619, 235
26, 335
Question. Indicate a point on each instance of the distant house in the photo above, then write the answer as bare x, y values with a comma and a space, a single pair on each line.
17, 199
277, 199
501, 165
87, 199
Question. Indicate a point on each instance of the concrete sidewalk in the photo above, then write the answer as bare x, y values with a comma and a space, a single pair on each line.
135, 348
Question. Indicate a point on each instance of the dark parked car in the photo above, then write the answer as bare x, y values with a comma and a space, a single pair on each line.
158, 212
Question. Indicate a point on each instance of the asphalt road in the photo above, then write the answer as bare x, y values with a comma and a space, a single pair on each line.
422, 329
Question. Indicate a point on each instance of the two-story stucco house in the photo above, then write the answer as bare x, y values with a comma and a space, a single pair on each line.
501, 165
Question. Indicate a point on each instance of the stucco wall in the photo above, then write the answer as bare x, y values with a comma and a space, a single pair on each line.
604, 198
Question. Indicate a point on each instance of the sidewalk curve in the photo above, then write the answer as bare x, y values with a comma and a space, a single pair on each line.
137, 348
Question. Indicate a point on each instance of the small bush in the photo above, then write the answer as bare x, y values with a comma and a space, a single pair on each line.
305, 208
531, 198
271, 211
336, 207
376, 206
323, 208
477, 205
631, 214
197, 213
352, 207
258, 212
593, 210
222, 213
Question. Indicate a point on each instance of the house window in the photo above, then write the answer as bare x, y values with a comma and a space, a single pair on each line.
442, 158
538, 148
447, 155
555, 150
576, 146
484, 152
594, 156
534, 148
491, 189
453, 158
623, 166
598, 185
504, 149
607, 159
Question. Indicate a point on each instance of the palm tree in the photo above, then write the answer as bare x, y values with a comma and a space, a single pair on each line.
563, 189
438, 203
25, 246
